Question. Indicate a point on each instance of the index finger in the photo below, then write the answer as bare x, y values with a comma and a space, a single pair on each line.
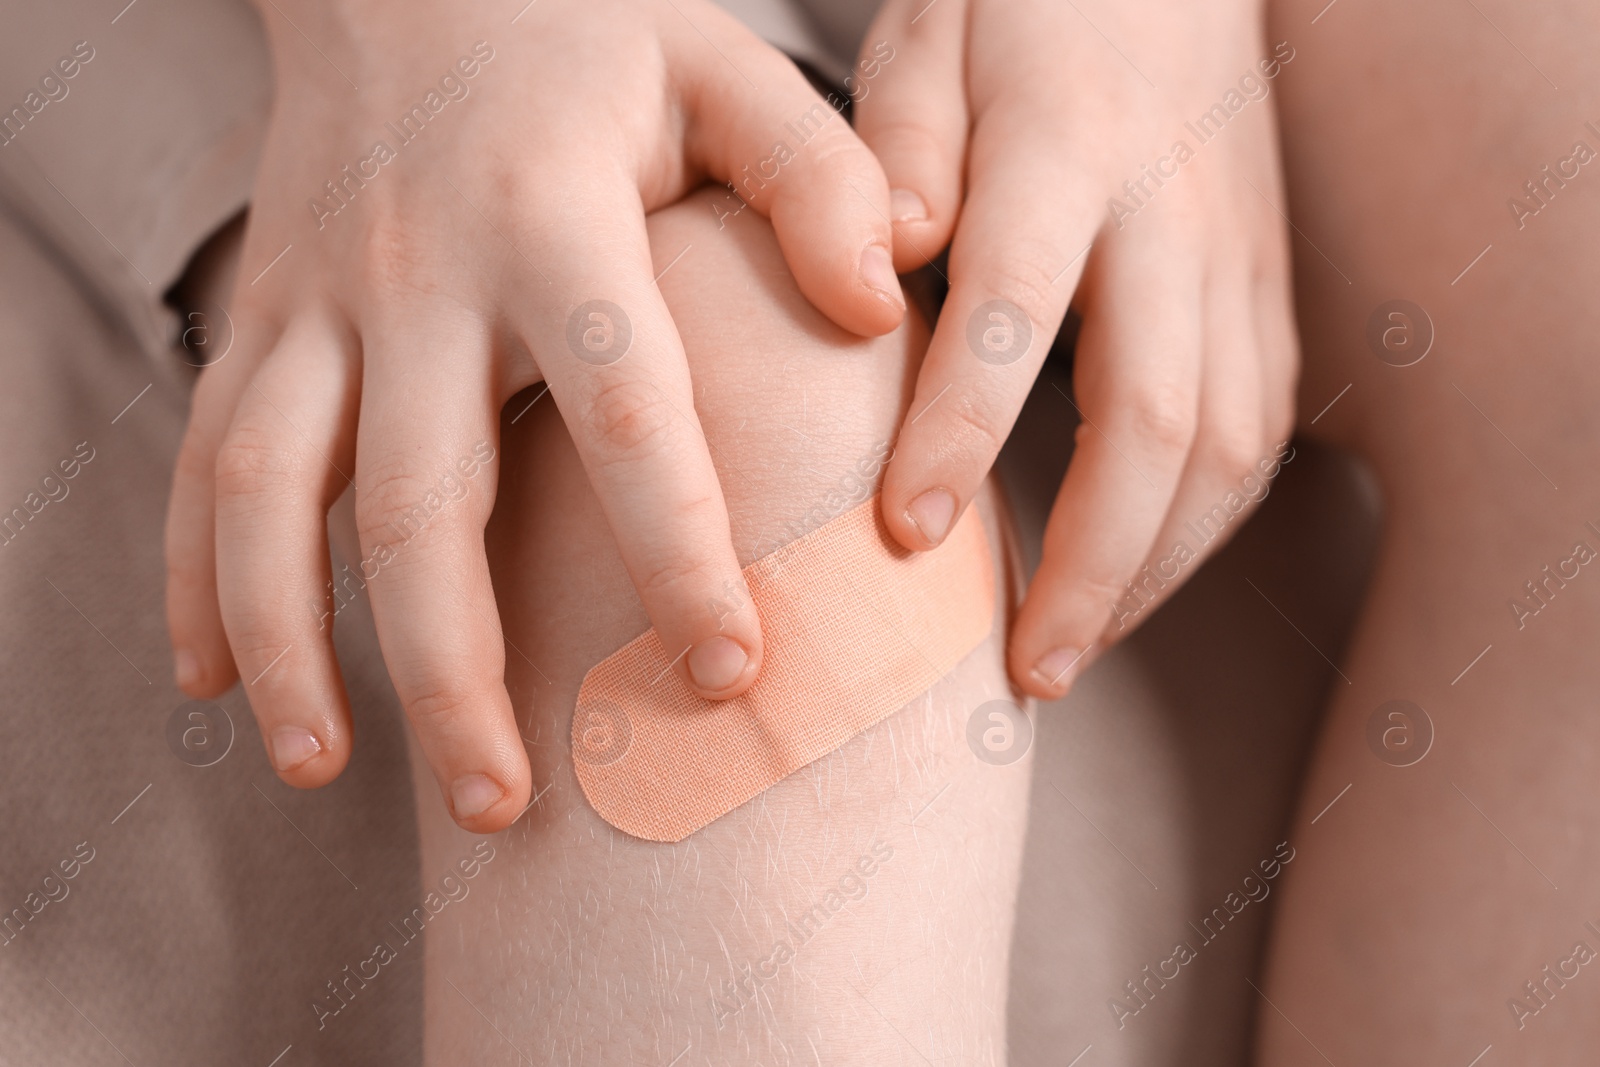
618, 373
1018, 252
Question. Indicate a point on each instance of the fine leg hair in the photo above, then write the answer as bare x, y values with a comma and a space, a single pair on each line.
859, 911
1183, 748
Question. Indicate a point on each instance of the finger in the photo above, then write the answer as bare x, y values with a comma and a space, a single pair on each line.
911, 110
425, 486
202, 661
1016, 258
280, 468
618, 373
792, 157
1137, 381
1230, 466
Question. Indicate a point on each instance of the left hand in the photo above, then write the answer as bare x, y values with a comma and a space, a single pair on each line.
1177, 259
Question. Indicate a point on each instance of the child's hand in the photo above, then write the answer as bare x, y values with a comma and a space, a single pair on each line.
1187, 359
470, 222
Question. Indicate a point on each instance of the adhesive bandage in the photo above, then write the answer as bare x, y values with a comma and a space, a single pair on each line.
856, 627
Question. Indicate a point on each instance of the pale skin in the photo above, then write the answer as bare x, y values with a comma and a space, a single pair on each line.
383, 346
578, 941
1365, 961
1187, 356
1013, 124
1087, 920
1429, 895
1364, 965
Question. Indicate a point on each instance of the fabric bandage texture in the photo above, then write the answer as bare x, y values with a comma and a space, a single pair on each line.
856, 627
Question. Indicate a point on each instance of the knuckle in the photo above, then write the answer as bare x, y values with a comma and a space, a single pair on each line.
839, 154
674, 574
974, 426
630, 420
1098, 591
908, 139
256, 641
907, 134
439, 704
1084, 603
1162, 416
1234, 448
252, 463
395, 259
511, 184
533, 204
1024, 277
390, 500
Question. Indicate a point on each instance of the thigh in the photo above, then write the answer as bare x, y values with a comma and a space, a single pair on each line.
578, 942
1432, 160
1168, 776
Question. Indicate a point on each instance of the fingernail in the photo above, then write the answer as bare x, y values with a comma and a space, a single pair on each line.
474, 794
186, 668
877, 270
1054, 666
716, 663
292, 746
931, 513
906, 206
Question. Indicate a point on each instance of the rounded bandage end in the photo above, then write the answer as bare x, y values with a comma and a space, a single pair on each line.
856, 627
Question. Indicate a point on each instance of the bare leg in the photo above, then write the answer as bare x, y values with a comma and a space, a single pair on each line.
1170, 773
577, 943
1428, 896
574, 931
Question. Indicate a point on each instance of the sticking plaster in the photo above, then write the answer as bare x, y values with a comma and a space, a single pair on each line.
856, 627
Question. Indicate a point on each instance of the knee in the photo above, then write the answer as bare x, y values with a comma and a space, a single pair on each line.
800, 418
800, 414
